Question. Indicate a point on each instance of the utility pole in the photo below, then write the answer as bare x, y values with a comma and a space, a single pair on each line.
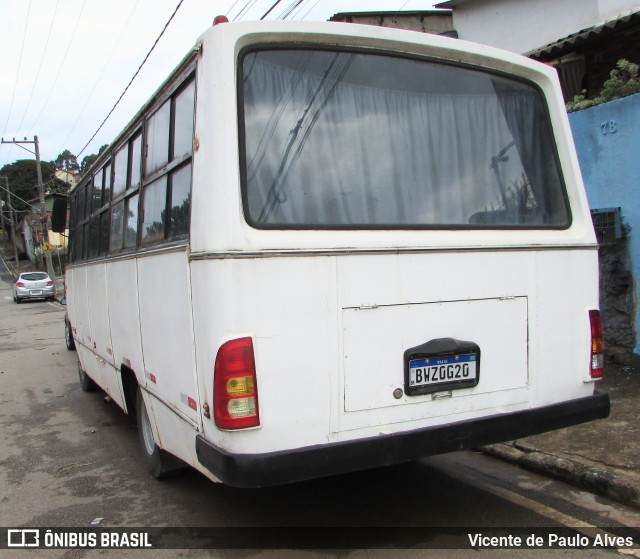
5, 234
43, 211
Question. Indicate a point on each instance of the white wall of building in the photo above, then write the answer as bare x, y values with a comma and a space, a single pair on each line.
525, 25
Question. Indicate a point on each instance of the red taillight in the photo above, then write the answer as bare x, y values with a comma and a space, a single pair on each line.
49, 283
235, 390
597, 345
19, 284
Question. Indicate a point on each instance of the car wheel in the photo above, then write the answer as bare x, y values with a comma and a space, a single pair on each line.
68, 336
160, 463
86, 383
18, 300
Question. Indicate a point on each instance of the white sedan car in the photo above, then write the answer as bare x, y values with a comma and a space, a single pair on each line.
33, 285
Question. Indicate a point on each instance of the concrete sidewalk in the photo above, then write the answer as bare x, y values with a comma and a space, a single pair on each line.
602, 456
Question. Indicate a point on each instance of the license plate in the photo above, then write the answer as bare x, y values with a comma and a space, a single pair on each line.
36, 292
454, 371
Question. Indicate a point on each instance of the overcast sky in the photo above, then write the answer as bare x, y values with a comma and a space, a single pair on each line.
66, 62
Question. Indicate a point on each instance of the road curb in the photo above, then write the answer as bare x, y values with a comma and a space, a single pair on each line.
8, 266
604, 480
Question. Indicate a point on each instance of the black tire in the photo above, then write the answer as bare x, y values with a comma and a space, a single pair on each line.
86, 383
68, 336
160, 463
18, 300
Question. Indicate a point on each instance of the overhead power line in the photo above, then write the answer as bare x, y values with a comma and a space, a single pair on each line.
287, 12
44, 52
297, 9
231, 8
13, 96
293, 6
309, 10
64, 58
250, 4
133, 78
14, 195
104, 68
270, 9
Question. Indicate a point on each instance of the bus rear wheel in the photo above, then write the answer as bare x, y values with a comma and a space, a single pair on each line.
160, 463
68, 336
86, 383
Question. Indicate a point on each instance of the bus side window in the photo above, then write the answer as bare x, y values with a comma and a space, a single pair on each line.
117, 226
158, 139
183, 121
180, 202
131, 222
166, 201
121, 164
126, 182
154, 198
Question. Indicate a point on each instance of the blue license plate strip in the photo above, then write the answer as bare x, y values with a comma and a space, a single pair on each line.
428, 374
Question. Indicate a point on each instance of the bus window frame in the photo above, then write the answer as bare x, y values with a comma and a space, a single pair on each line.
83, 216
285, 46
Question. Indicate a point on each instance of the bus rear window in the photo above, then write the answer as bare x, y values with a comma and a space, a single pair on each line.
358, 140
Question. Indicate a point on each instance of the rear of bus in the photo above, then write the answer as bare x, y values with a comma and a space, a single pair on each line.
397, 258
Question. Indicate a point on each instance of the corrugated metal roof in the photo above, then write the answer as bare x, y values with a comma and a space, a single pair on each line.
450, 3
402, 14
585, 34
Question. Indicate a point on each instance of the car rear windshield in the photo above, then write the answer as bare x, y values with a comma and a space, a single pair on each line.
35, 276
337, 139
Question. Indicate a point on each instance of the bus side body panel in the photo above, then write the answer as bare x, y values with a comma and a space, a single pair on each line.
99, 311
158, 348
101, 343
88, 307
167, 342
123, 310
78, 305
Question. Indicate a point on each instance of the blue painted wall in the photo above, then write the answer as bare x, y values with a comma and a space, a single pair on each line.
607, 139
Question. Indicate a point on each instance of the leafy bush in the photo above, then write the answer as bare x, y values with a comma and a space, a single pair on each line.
623, 81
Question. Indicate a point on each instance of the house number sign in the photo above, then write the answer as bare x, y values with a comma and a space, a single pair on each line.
609, 127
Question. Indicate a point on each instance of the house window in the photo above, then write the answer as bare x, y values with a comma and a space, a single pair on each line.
571, 71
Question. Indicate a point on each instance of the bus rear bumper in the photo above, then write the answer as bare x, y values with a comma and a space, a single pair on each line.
276, 468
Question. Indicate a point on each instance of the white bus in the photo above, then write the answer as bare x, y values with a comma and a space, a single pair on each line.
323, 247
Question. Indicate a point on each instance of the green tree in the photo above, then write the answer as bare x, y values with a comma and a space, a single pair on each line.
89, 160
66, 161
623, 81
23, 183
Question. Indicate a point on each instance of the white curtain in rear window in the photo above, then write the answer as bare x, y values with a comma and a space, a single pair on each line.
335, 139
